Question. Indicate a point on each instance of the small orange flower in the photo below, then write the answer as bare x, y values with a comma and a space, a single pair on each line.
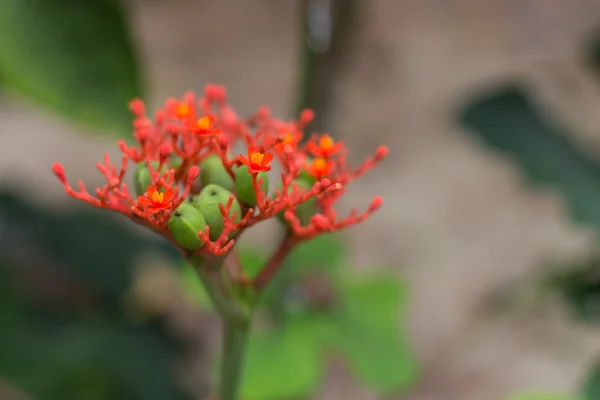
205, 126
325, 147
155, 200
257, 161
183, 110
320, 168
290, 139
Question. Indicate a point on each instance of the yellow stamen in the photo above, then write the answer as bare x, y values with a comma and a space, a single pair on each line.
325, 142
319, 165
204, 123
256, 158
287, 139
158, 197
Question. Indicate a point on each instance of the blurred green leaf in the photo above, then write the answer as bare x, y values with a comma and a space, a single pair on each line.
538, 395
64, 334
73, 56
591, 386
89, 245
368, 333
509, 122
252, 259
324, 253
282, 364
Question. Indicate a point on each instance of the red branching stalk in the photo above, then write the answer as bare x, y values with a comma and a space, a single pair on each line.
186, 131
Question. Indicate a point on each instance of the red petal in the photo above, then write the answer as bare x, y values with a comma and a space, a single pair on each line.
154, 210
336, 147
144, 201
244, 160
267, 159
313, 148
168, 195
151, 190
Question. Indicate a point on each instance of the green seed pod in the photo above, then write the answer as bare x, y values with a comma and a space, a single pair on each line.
306, 209
142, 177
244, 188
176, 162
212, 171
185, 224
208, 203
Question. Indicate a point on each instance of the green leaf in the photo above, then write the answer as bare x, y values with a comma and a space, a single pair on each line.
325, 252
538, 395
75, 57
252, 260
282, 364
368, 333
509, 122
591, 387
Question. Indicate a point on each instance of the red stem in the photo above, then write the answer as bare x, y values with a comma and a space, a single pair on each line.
275, 262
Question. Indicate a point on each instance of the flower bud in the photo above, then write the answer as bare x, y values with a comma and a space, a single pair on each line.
185, 224
207, 202
305, 210
212, 171
243, 185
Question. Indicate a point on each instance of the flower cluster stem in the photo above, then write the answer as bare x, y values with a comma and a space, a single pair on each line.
236, 320
235, 337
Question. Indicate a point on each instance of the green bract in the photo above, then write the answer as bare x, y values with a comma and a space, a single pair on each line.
244, 188
212, 171
306, 209
185, 224
207, 202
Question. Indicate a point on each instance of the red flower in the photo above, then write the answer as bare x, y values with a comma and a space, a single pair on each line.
183, 110
288, 141
181, 136
257, 161
155, 200
205, 126
320, 168
325, 147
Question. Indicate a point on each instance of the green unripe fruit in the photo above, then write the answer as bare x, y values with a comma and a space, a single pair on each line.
207, 202
142, 174
306, 209
142, 177
306, 176
212, 171
184, 225
244, 188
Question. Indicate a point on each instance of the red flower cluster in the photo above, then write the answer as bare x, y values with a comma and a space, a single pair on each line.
185, 132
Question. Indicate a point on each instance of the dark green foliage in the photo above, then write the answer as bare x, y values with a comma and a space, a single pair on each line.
75, 57
64, 332
358, 319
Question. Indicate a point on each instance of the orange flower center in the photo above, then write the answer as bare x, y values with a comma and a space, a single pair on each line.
287, 139
325, 142
256, 158
157, 197
319, 165
204, 123
183, 110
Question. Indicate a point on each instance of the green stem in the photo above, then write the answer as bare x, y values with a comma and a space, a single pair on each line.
235, 337
236, 319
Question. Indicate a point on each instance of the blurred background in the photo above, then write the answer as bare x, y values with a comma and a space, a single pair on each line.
492, 192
